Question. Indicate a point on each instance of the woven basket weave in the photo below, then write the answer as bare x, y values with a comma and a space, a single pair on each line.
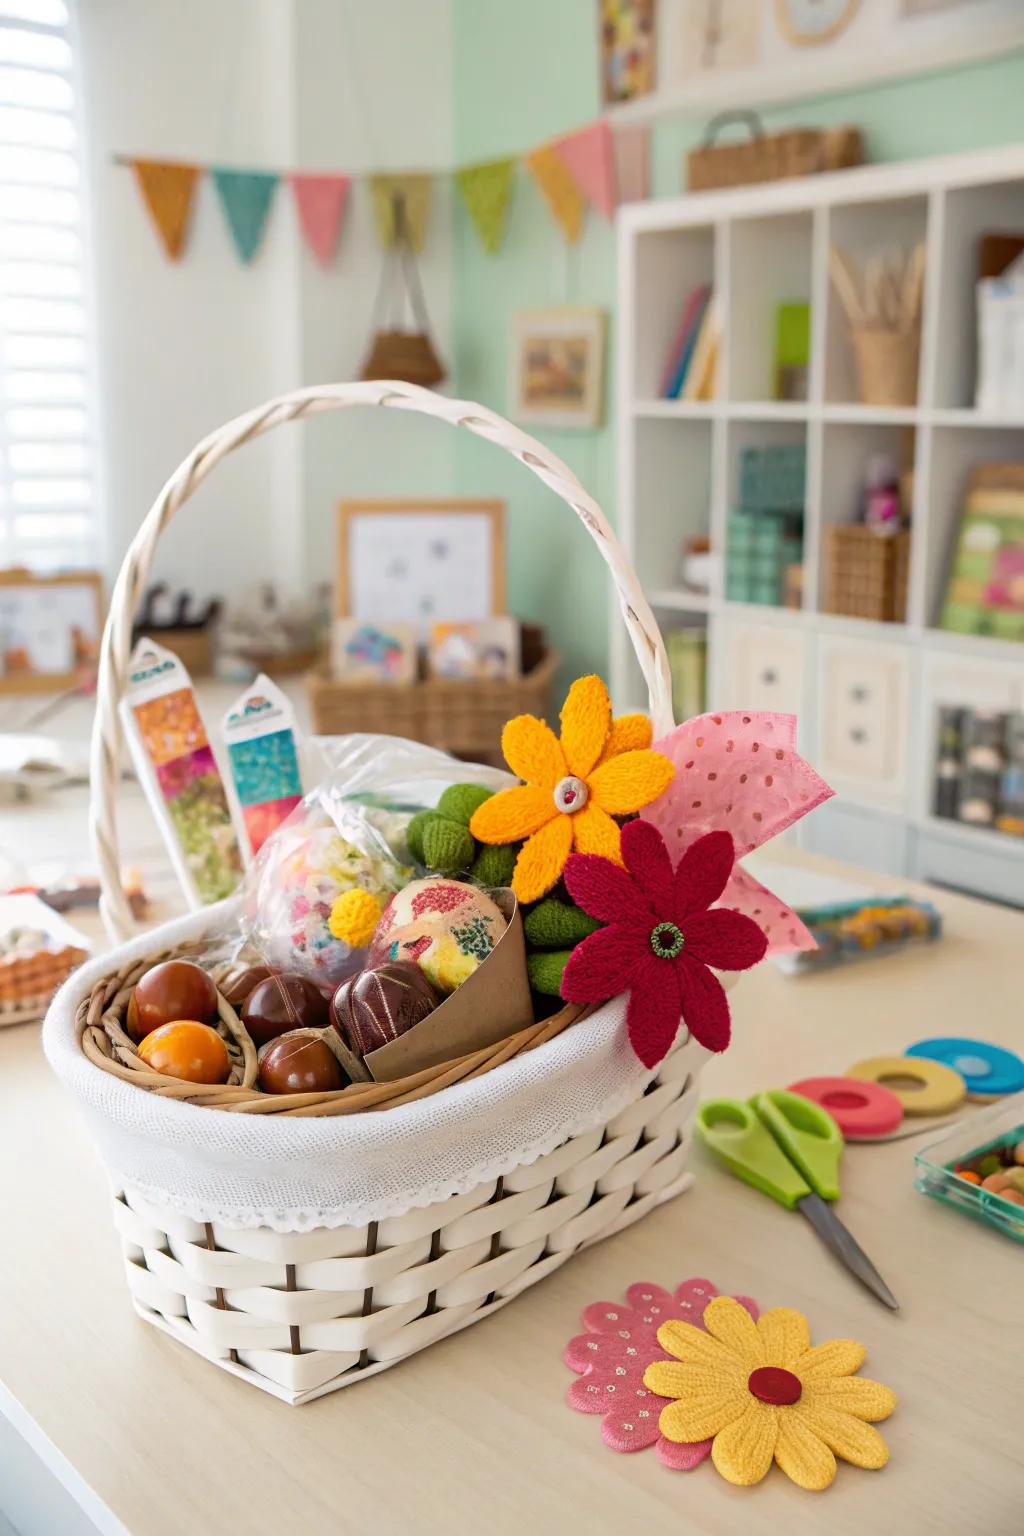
304, 1312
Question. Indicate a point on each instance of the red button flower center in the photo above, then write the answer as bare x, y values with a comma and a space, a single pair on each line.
771, 1384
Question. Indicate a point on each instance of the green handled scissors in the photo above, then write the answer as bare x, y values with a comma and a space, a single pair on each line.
789, 1148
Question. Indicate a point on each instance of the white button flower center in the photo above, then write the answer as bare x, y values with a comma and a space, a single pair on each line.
571, 794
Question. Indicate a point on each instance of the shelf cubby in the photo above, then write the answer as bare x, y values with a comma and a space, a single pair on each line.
769, 265
669, 265
964, 215
955, 452
673, 470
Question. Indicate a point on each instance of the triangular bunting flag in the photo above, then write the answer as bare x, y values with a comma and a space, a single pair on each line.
245, 197
588, 156
167, 192
564, 197
632, 150
320, 201
485, 191
414, 192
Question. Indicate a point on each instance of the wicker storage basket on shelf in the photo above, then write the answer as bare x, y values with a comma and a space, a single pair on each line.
768, 156
866, 573
299, 1242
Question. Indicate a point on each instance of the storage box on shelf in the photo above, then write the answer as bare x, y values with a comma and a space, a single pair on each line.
759, 247
866, 573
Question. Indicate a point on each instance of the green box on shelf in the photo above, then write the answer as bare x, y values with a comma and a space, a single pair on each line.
773, 478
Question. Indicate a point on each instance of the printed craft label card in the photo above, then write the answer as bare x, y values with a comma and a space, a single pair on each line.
263, 755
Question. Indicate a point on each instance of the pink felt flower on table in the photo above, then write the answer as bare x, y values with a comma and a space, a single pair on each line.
611, 1356
662, 938
739, 772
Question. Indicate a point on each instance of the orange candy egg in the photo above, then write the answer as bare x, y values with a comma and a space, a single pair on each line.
188, 1050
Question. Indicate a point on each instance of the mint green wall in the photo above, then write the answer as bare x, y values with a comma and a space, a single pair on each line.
523, 71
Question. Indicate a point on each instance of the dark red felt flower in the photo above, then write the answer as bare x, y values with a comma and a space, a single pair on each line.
662, 938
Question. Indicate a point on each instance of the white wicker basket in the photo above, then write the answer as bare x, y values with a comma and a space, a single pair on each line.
304, 1311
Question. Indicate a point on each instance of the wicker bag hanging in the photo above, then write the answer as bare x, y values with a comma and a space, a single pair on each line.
395, 352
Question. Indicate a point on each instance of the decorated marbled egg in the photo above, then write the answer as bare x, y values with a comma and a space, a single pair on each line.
448, 928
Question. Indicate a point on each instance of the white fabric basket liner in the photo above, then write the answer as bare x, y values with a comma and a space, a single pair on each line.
293, 1174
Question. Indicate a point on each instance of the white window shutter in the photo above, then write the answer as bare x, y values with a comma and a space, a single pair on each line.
48, 503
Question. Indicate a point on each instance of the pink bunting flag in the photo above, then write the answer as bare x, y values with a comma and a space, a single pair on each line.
320, 201
632, 151
589, 157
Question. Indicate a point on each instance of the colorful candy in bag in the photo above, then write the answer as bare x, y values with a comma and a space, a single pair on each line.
263, 755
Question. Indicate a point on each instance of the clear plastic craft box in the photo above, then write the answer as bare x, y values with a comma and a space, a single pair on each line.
991, 1130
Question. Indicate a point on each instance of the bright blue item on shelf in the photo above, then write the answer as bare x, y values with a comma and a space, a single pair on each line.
988, 1070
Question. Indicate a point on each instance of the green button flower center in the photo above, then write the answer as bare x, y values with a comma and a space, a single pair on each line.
666, 941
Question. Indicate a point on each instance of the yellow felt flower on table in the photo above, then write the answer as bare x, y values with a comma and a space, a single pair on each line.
761, 1392
573, 786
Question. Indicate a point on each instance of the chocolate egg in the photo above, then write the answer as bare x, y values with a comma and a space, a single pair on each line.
378, 1005
280, 1003
299, 1062
236, 989
175, 989
187, 1049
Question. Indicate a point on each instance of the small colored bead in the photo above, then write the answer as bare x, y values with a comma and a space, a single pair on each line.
1013, 1178
989, 1164
1014, 1196
996, 1182
969, 1175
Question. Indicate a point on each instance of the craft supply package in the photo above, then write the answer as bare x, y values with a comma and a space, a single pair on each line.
307, 1240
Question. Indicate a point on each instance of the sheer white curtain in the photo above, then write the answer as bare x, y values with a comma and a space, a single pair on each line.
48, 503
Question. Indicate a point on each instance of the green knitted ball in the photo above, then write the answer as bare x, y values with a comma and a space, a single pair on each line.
554, 924
494, 866
414, 833
545, 971
459, 801
447, 846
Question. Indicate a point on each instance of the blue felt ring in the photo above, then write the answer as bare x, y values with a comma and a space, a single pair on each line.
986, 1069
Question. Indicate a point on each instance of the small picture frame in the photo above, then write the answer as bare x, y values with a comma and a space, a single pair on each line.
558, 366
366, 652
484, 652
50, 628
418, 562
628, 48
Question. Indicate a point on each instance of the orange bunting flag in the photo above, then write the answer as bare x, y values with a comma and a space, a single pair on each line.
167, 192
563, 196
320, 201
589, 157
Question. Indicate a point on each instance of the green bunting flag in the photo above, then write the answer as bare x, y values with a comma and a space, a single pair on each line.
245, 197
485, 191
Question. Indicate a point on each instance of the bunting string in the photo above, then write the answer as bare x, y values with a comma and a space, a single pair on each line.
594, 167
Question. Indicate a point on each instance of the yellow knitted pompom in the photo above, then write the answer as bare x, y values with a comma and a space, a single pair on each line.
354, 916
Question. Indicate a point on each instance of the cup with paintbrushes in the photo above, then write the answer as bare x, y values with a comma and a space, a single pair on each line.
882, 304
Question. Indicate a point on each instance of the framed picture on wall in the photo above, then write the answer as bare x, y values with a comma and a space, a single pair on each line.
50, 629
419, 562
628, 49
558, 367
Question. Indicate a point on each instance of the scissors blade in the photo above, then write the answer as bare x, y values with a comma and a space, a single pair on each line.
832, 1232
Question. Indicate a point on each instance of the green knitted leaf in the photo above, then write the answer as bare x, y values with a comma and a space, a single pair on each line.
447, 846
554, 924
546, 971
459, 801
494, 866
414, 833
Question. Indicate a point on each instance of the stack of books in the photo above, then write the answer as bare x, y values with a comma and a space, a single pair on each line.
692, 362
979, 769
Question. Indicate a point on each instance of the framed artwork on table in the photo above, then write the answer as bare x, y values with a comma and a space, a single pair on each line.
558, 367
50, 629
410, 561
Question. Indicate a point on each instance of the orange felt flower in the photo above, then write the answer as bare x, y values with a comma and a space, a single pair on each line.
572, 787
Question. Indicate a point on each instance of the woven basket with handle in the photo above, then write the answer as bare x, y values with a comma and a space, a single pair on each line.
297, 1308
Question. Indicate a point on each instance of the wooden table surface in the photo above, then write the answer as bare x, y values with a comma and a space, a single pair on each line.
473, 1435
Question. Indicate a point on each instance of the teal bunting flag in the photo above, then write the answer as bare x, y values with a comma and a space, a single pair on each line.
245, 197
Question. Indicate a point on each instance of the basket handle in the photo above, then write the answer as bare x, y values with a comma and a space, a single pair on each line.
722, 120
301, 403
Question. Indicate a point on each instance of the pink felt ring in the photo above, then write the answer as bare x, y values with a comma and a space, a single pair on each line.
860, 1109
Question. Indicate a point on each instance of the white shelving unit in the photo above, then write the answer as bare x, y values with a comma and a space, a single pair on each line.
867, 694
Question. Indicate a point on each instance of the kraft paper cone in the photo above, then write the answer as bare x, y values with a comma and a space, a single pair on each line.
492, 1004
